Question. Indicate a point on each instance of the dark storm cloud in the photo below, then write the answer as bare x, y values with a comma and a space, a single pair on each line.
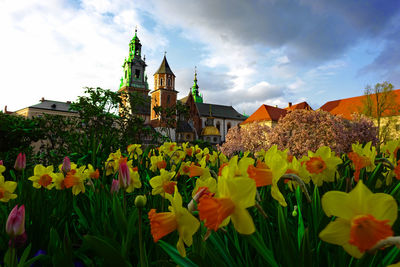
311, 31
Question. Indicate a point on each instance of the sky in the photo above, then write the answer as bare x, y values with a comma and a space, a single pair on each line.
247, 52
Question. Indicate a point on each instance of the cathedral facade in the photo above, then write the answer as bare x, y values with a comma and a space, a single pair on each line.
209, 122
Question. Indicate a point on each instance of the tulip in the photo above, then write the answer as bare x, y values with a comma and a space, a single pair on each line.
124, 175
1, 162
114, 186
15, 225
20, 162
66, 166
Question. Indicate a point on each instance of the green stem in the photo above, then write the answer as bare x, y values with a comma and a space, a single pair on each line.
142, 263
124, 201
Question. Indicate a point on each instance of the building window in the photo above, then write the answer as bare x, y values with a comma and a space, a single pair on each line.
126, 74
161, 81
188, 137
169, 81
215, 139
137, 74
228, 126
168, 99
218, 126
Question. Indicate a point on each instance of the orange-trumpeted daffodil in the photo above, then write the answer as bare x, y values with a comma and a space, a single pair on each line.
236, 192
75, 179
157, 163
92, 173
162, 183
362, 157
362, 218
7, 188
178, 218
43, 176
322, 165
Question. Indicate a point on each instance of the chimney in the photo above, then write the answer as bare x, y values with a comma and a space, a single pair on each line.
68, 102
290, 104
5, 109
42, 100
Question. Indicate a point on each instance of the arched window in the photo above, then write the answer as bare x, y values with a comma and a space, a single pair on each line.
168, 99
161, 81
228, 126
169, 81
218, 126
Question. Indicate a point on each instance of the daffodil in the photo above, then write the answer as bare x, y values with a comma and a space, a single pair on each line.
362, 218
168, 148
178, 218
162, 183
362, 157
322, 165
236, 192
58, 181
134, 181
112, 162
295, 167
75, 179
43, 176
135, 150
91, 173
6, 188
157, 163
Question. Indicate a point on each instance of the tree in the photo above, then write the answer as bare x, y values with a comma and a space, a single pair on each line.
168, 116
381, 104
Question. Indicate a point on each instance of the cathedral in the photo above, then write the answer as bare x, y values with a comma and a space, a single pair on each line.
208, 122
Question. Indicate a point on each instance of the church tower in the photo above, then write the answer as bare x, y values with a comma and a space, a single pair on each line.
164, 93
134, 78
195, 89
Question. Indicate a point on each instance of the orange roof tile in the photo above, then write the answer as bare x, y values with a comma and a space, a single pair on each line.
266, 113
302, 105
346, 107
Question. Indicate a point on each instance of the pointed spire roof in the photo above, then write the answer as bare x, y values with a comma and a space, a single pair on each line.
164, 67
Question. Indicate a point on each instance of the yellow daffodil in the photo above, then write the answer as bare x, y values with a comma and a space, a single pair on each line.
295, 167
75, 179
43, 176
208, 182
112, 163
91, 173
59, 181
321, 165
185, 168
134, 150
6, 188
362, 157
390, 148
168, 148
135, 180
178, 218
157, 163
235, 195
162, 183
362, 218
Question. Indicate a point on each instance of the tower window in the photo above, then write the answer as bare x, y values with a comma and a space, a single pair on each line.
169, 81
161, 82
218, 126
126, 74
168, 99
137, 74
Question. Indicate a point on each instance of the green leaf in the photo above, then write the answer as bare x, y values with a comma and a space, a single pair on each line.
25, 255
119, 216
221, 248
390, 257
105, 250
174, 254
300, 227
258, 243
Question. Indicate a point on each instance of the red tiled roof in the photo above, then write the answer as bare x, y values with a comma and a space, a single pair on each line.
346, 107
266, 113
302, 105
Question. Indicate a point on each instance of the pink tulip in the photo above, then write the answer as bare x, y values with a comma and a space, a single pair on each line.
66, 166
114, 186
1, 162
20, 162
15, 225
124, 175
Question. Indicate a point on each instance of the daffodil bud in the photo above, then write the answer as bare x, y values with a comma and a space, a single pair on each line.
294, 212
140, 201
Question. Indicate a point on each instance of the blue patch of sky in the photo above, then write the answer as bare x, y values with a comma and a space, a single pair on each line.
76, 4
